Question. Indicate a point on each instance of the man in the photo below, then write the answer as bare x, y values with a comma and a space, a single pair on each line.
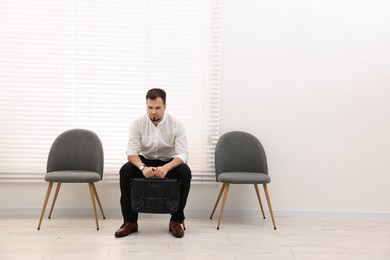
157, 147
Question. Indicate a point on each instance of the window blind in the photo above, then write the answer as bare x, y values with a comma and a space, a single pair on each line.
89, 63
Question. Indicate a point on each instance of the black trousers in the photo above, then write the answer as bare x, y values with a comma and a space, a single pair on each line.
129, 171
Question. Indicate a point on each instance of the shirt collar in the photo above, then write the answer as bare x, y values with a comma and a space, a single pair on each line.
163, 120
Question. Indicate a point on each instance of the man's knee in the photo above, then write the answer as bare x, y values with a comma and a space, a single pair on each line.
127, 170
185, 172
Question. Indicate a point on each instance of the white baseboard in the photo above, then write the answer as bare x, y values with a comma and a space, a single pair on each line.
205, 213
294, 214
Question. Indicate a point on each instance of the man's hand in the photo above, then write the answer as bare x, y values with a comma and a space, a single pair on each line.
148, 172
160, 171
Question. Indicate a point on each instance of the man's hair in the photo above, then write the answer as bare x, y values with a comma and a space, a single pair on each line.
154, 93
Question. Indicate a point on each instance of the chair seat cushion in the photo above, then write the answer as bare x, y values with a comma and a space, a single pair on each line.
72, 176
244, 177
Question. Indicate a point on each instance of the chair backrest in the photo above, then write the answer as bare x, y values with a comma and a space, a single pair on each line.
76, 149
238, 151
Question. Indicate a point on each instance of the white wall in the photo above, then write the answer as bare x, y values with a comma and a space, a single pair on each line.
310, 79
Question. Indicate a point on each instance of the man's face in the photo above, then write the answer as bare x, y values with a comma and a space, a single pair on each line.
155, 109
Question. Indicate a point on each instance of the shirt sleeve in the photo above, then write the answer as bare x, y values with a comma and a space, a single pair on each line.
181, 145
134, 142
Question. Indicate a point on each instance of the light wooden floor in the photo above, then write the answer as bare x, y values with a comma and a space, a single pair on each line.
238, 239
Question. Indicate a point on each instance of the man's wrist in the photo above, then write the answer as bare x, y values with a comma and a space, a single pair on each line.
142, 167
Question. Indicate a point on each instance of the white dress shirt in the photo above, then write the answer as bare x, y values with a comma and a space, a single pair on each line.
162, 142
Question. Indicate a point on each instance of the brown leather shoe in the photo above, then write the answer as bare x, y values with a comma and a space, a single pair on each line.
176, 229
126, 229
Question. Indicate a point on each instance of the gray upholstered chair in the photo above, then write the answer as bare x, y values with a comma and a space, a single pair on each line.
240, 159
76, 156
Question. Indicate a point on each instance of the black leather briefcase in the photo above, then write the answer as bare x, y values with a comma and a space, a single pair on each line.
155, 195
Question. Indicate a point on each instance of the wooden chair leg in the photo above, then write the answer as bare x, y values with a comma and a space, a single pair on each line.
269, 204
216, 203
45, 203
259, 199
98, 200
226, 190
92, 192
55, 198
